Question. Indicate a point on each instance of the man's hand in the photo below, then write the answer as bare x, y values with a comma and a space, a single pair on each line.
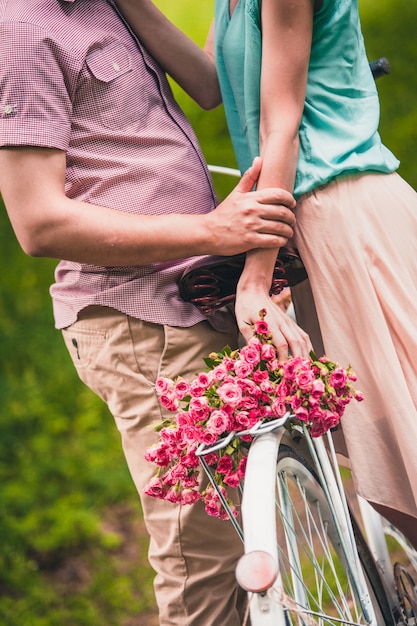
249, 219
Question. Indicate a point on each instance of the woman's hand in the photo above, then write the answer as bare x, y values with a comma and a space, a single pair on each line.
288, 337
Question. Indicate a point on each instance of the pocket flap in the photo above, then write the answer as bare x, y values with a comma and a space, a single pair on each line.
110, 62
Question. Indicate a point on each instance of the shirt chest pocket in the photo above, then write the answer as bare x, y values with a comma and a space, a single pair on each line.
117, 90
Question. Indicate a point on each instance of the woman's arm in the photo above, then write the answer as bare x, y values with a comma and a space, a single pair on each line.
190, 66
286, 35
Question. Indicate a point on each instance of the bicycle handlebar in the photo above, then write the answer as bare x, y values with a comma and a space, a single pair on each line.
380, 67
259, 428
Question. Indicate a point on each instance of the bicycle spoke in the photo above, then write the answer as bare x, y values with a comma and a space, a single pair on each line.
313, 571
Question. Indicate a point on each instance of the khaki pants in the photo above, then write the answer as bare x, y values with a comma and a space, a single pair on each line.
194, 555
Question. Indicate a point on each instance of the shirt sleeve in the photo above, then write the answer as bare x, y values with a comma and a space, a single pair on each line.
37, 81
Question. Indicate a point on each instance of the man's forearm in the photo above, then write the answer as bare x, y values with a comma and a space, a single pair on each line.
48, 223
91, 234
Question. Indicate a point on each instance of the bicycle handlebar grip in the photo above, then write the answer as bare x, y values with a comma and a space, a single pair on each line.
380, 67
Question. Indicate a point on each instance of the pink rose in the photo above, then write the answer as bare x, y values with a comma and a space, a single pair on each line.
225, 464
183, 419
317, 430
283, 389
304, 380
292, 366
212, 502
255, 414
338, 378
273, 366
207, 437
232, 479
242, 467
247, 403
191, 481
196, 388
318, 388
158, 455
261, 328
190, 434
212, 458
301, 413
171, 437
268, 352
169, 401
163, 385
296, 402
189, 496
219, 373
242, 420
256, 343
313, 401
322, 421
267, 386
190, 460
199, 408
175, 474
229, 363
260, 375
155, 488
247, 385
279, 408
172, 495
181, 389
212, 508
243, 368
230, 393
264, 411
250, 354
205, 379
218, 422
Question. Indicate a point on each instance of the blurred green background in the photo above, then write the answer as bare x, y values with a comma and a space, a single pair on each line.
72, 544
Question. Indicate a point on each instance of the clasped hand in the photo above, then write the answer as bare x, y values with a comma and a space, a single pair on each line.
247, 220
287, 336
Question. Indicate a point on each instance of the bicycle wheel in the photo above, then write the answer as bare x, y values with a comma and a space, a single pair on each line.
317, 586
404, 560
396, 560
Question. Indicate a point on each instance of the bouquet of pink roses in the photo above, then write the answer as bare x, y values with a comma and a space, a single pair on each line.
240, 388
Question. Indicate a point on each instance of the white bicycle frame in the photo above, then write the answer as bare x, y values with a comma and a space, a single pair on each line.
258, 512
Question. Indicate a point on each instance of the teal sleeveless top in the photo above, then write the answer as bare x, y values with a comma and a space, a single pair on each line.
339, 128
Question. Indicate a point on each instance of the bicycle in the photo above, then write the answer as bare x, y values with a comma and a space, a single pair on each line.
314, 552
306, 558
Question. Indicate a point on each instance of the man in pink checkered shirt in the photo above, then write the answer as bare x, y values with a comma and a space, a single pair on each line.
99, 167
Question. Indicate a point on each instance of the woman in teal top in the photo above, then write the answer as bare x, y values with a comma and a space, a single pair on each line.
298, 91
338, 131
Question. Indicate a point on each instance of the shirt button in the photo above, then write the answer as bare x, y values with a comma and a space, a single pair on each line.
116, 67
8, 109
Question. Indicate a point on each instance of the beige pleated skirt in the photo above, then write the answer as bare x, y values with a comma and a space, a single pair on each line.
358, 239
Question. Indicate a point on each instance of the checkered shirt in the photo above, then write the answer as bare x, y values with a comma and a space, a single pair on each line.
73, 77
